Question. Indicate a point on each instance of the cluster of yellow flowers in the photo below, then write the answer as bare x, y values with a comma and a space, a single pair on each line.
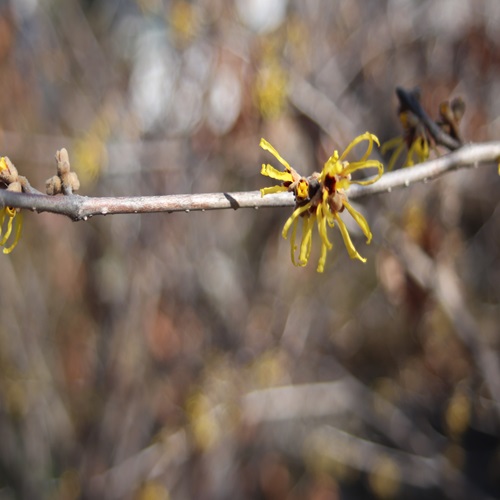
321, 197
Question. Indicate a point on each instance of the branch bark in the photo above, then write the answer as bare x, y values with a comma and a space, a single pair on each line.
79, 207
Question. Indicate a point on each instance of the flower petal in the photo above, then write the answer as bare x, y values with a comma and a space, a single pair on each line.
343, 184
366, 164
267, 147
274, 173
293, 246
19, 225
2, 218
321, 219
391, 144
371, 138
292, 217
322, 259
322, 230
360, 220
398, 144
8, 230
332, 166
272, 189
306, 243
347, 240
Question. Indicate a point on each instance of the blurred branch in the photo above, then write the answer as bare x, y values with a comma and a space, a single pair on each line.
321, 109
443, 281
82, 207
346, 395
409, 101
421, 472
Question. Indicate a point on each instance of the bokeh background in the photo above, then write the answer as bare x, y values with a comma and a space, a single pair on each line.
182, 356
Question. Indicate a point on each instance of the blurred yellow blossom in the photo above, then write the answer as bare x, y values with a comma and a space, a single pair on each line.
184, 21
321, 197
204, 423
420, 134
415, 139
270, 89
90, 151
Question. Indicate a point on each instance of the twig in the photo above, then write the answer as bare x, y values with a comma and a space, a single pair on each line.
409, 101
81, 207
470, 155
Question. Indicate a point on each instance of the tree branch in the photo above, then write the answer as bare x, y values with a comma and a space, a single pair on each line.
410, 101
82, 207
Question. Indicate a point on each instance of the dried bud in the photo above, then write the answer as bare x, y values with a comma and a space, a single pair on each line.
53, 185
62, 159
8, 172
15, 187
73, 181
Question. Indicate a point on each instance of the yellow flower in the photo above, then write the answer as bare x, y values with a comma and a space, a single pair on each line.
321, 197
415, 139
10, 213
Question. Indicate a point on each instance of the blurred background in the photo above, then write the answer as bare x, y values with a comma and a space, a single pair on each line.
182, 356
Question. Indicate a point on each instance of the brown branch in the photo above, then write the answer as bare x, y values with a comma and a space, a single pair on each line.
409, 101
81, 207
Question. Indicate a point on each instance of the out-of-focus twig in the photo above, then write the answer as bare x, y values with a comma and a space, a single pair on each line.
445, 284
82, 207
421, 472
410, 101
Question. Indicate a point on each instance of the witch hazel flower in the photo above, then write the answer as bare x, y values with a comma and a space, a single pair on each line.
320, 199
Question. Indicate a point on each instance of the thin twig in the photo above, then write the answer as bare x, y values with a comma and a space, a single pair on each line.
81, 207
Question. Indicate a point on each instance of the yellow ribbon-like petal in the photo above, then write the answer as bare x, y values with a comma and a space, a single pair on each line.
8, 230
331, 167
266, 146
19, 225
274, 173
272, 189
371, 138
420, 149
306, 243
295, 214
353, 253
352, 167
360, 220
293, 246
326, 245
